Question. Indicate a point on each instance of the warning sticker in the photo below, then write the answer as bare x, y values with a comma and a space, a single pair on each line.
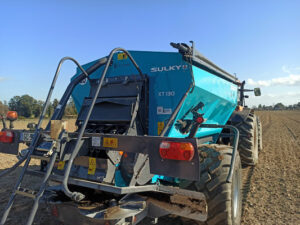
160, 127
96, 141
110, 142
163, 111
92, 166
61, 165
122, 56
233, 88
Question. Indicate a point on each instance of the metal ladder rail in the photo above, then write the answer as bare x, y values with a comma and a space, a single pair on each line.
20, 179
42, 188
77, 196
58, 112
36, 137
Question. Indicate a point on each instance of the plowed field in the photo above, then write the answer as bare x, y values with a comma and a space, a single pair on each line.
271, 190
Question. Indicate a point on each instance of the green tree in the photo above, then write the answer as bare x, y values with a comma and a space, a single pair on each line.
55, 103
3, 108
259, 106
25, 105
70, 108
13, 103
37, 108
279, 106
52, 106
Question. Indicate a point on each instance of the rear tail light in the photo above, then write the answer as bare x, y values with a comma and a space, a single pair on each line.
176, 150
6, 136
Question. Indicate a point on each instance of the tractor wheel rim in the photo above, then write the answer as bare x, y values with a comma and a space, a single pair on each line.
236, 196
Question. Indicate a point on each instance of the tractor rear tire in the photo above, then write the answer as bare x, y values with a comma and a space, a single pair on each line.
248, 142
224, 199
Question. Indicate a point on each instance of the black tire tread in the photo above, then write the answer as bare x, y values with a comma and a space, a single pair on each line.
248, 142
213, 184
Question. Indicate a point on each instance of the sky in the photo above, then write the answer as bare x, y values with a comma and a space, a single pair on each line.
258, 40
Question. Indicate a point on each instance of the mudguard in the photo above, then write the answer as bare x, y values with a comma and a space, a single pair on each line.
239, 116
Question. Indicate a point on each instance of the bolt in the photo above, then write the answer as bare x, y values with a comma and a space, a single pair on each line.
154, 221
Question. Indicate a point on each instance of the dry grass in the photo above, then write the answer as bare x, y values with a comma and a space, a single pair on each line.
21, 208
22, 124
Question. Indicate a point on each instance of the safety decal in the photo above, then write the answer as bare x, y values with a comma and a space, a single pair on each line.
110, 142
96, 141
163, 111
61, 165
160, 127
92, 166
233, 88
122, 56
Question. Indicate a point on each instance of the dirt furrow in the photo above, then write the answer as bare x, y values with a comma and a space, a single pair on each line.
274, 191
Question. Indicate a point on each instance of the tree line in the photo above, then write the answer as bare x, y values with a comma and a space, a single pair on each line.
278, 106
28, 107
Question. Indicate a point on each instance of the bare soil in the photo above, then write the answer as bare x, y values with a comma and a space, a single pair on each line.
271, 190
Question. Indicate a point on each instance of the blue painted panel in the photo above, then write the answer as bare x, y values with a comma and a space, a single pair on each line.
169, 78
219, 97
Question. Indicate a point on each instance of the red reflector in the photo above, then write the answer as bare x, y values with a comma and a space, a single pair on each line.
54, 211
6, 136
176, 150
200, 120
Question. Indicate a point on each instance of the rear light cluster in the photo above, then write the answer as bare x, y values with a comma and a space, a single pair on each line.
6, 136
176, 150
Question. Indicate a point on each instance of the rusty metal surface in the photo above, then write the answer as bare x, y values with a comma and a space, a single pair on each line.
184, 210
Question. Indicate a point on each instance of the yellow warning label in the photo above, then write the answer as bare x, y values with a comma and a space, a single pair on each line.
122, 56
160, 127
110, 142
61, 165
92, 166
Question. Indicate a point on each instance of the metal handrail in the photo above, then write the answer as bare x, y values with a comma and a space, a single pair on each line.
77, 196
36, 138
58, 112
53, 85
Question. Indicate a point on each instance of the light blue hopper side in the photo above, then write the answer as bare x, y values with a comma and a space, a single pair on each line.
170, 77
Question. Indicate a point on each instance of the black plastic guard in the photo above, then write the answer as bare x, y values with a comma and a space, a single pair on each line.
239, 116
150, 145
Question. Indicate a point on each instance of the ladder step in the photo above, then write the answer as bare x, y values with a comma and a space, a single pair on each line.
42, 149
45, 158
26, 192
